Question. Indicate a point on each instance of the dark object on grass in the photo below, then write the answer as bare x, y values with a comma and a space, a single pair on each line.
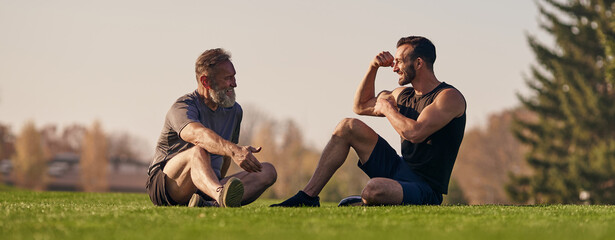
301, 199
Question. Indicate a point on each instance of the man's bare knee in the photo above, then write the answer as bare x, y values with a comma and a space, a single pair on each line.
382, 191
200, 155
373, 192
348, 127
268, 174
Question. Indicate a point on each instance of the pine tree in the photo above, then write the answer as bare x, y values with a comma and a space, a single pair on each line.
572, 143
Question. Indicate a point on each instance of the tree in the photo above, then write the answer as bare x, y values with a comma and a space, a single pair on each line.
29, 163
124, 148
572, 141
486, 157
94, 161
69, 140
264, 137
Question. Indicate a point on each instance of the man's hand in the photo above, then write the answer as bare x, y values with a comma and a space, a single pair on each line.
384, 103
383, 59
245, 159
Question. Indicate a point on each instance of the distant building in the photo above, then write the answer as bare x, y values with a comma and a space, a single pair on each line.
125, 175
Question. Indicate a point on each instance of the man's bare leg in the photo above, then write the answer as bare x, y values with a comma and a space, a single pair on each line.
349, 132
255, 183
188, 171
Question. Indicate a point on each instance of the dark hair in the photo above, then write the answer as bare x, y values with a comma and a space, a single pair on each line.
208, 60
423, 48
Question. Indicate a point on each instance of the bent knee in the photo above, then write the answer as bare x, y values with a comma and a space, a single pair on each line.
348, 126
199, 154
373, 191
270, 175
382, 191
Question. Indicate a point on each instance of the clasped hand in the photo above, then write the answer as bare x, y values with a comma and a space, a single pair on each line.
383, 104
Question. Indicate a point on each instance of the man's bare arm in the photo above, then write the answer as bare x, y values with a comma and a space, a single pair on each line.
365, 97
448, 105
207, 139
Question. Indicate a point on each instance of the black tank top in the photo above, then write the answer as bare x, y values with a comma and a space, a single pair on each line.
433, 159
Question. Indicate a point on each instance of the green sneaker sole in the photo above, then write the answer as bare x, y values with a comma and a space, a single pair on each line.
232, 193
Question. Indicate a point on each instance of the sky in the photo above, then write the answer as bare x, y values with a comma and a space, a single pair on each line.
125, 62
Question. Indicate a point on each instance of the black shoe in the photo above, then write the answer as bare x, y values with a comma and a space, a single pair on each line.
301, 199
354, 200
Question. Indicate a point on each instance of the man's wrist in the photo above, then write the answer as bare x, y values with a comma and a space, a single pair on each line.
388, 109
233, 150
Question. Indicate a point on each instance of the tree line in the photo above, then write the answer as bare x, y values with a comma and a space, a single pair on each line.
32, 149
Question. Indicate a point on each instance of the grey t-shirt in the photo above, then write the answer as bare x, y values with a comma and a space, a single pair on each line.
191, 108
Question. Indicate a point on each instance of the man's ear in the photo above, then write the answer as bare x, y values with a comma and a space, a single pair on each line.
204, 81
419, 63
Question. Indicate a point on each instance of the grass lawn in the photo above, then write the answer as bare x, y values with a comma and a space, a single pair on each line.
73, 215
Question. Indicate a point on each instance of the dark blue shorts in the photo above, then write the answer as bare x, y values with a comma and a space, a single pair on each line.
384, 162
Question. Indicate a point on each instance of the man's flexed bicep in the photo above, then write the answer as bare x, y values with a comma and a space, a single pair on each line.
365, 98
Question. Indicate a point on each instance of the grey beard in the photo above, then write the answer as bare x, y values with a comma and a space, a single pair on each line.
219, 97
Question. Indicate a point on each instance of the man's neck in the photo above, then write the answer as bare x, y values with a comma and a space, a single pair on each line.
204, 97
425, 84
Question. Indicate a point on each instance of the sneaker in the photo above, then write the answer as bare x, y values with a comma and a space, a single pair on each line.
301, 199
231, 193
354, 200
197, 201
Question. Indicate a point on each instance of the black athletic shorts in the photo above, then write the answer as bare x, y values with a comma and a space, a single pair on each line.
156, 188
384, 162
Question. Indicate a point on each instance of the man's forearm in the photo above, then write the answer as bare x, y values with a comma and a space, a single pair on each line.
213, 143
405, 127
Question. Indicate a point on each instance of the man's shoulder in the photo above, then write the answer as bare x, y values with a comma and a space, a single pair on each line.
450, 88
399, 90
239, 109
236, 110
189, 100
453, 99
237, 106
188, 97
183, 103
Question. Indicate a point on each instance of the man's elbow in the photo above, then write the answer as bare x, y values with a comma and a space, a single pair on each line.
413, 137
357, 109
